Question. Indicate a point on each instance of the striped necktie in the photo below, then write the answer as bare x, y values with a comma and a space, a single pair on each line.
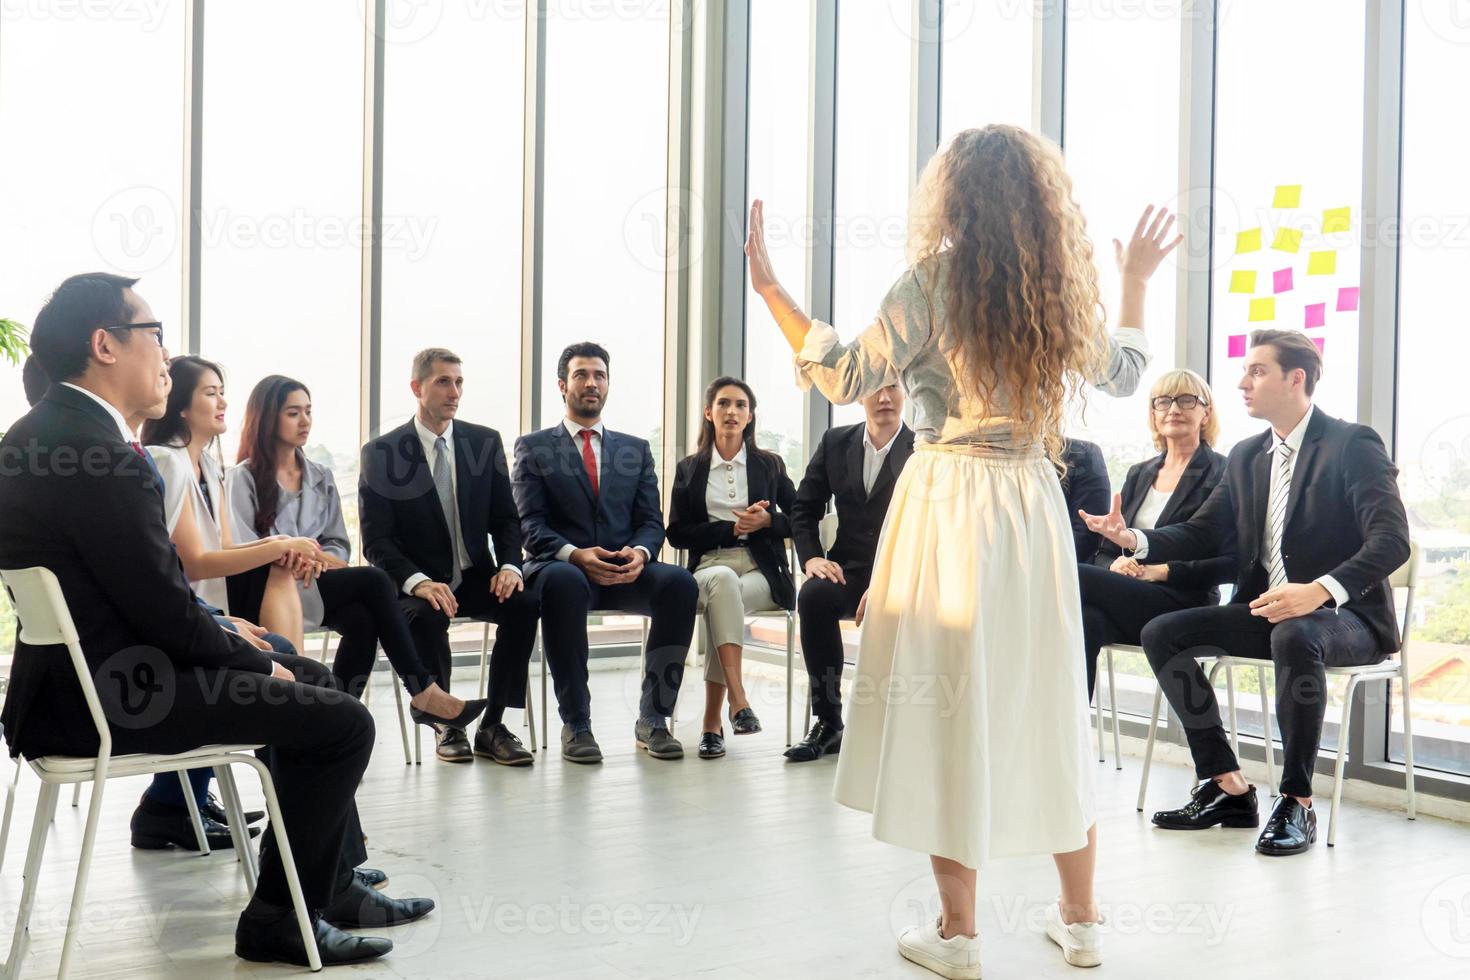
1276, 516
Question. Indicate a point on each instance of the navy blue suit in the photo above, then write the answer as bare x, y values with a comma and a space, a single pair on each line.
558, 507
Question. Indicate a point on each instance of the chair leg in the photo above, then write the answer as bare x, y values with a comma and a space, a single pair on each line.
76, 794
1148, 751
531, 715
790, 681
1408, 741
195, 820
484, 657
545, 710
1113, 706
402, 721
239, 832
1270, 738
20, 940
9, 811
326, 638
1234, 721
84, 871
1097, 723
288, 862
1342, 740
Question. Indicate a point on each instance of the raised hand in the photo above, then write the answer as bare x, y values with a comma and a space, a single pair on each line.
762, 276
1112, 526
1150, 243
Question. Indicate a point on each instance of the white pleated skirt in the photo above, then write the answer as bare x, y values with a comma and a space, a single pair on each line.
967, 733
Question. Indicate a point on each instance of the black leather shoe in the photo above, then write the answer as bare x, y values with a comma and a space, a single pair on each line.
155, 827
1291, 829
824, 739
372, 877
744, 722
499, 744
1210, 805
656, 741
472, 710
581, 748
359, 906
278, 940
452, 745
216, 812
712, 744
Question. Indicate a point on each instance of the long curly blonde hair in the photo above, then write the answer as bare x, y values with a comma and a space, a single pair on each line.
1023, 310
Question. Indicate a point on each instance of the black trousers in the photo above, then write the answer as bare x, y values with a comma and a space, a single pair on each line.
361, 604
1299, 649
318, 741
665, 593
821, 606
1116, 608
515, 635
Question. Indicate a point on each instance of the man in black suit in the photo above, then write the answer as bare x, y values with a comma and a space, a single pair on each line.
432, 494
80, 499
1086, 488
590, 515
857, 465
1312, 511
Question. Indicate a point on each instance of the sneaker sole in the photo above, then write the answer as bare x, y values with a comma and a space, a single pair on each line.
933, 963
1074, 957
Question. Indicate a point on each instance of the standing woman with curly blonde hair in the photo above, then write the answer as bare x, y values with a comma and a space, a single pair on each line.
969, 741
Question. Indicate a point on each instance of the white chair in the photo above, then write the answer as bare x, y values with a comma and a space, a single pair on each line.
45, 622
541, 655
1406, 578
408, 758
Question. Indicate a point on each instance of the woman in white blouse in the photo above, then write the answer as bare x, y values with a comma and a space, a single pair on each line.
730, 508
973, 740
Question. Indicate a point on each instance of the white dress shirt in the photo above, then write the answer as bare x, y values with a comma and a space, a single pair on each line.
1294, 440
873, 458
728, 488
461, 553
127, 434
1151, 509
575, 431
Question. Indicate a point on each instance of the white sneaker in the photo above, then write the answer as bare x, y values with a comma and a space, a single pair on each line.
957, 958
1081, 942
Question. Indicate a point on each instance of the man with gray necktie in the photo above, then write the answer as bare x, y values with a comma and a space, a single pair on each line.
433, 496
1311, 508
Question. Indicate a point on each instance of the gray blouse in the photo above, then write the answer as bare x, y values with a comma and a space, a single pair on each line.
314, 511
903, 346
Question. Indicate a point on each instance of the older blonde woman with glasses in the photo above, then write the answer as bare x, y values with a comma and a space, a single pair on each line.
1120, 594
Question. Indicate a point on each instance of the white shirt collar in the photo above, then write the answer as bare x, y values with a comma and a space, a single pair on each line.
738, 460
1295, 437
427, 437
573, 428
868, 442
128, 435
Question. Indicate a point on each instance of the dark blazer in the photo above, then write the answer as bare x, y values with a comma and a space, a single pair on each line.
403, 527
836, 471
1085, 486
690, 526
1205, 471
77, 500
1344, 518
557, 506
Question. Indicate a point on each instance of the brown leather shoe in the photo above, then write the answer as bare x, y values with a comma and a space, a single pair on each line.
452, 745
499, 744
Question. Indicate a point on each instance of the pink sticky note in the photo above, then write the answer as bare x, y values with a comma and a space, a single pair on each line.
1321, 343
1316, 314
1237, 345
1347, 298
1282, 280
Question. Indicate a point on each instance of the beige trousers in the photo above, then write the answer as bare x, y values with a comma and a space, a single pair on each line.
730, 588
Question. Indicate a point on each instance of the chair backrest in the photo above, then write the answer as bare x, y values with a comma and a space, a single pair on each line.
1407, 578
45, 621
827, 531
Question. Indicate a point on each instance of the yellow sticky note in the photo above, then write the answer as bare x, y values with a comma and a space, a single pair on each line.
1321, 263
1287, 196
1287, 240
1248, 241
1242, 281
1263, 309
1336, 219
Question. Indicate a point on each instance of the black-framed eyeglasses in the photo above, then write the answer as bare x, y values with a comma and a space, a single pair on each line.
1185, 402
156, 326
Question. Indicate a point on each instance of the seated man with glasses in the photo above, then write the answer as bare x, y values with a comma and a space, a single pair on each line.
1120, 595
